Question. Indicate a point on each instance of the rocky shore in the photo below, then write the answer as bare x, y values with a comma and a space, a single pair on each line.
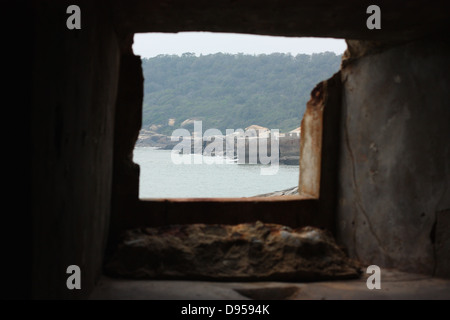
149, 138
286, 192
289, 146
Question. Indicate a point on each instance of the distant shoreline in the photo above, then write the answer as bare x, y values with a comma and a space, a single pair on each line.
289, 155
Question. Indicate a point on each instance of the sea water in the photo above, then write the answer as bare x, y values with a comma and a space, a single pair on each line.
160, 177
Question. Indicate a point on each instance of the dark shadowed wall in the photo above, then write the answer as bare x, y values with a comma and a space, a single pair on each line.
74, 90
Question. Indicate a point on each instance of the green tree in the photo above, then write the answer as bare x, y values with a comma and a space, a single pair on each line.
232, 91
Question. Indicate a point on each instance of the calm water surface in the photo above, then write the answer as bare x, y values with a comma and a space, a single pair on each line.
161, 178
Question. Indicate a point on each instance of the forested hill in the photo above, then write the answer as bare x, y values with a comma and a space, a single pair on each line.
232, 91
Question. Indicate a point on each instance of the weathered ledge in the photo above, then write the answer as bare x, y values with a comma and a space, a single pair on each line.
244, 252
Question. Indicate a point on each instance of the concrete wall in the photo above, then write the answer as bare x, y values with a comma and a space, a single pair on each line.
289, 146
394, 199
394, 175
74, 90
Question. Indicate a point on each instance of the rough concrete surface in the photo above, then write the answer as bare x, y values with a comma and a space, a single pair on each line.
255, 251
318, 18
394, 285
394, 167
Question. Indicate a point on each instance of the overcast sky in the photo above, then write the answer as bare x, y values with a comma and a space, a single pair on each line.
152, 44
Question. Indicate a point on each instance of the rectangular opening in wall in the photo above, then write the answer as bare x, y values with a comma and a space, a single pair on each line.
222, 112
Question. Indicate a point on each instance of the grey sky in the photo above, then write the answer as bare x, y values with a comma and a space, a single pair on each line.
152, 44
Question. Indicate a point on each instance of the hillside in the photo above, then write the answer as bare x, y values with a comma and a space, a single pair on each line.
232, 91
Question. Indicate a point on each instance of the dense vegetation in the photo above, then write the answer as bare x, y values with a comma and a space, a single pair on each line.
232, 91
